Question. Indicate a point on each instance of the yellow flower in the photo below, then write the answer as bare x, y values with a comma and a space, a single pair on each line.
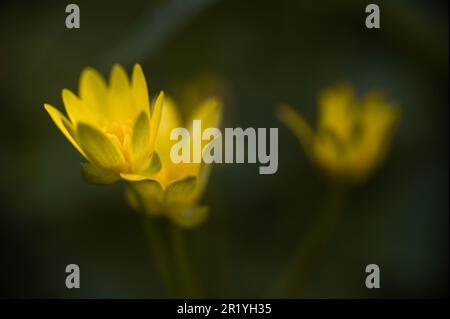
352, 137
112, 126
175, 190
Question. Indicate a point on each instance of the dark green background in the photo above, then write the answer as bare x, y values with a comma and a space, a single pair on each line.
264, 53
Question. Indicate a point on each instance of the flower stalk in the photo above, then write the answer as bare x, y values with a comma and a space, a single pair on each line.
161, 256
188, 279
293, 279
350, 141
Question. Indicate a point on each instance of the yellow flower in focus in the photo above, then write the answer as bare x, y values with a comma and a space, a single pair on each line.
352, 137
112, 126
176, 189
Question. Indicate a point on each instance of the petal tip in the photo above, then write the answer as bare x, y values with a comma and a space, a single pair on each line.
47, 107
137, 68
66, 93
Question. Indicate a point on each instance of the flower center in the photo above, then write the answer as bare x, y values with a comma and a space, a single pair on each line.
119, 129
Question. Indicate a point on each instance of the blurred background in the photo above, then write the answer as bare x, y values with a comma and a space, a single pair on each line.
254, 54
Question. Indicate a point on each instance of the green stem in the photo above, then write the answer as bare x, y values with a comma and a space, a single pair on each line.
157, 246
172, 263
292, 280
160, 256
188, 278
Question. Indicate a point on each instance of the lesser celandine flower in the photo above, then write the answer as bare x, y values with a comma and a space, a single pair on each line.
175, 190
351, 139
352, 136
112, 125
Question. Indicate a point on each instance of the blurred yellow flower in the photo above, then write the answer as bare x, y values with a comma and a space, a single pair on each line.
112, 126
175, 190
352, 137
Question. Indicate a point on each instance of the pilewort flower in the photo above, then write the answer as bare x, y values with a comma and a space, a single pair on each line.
175, 190
112, 126
352, 136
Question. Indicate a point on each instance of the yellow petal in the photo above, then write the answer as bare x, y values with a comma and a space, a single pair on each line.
119, 95
170, 119
64, 126
378, 121
298, 126
99, 148
156, 119
209, 112
118, 80
154, 165
96, 175
338, 112
203, 170
140, 141
328, 154
74, 107
152, 168
133, 177
139, 90
378, 118
93, 93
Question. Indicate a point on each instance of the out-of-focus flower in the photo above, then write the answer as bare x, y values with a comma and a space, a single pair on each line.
112, 126
175, 190
200, 87
352, 137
